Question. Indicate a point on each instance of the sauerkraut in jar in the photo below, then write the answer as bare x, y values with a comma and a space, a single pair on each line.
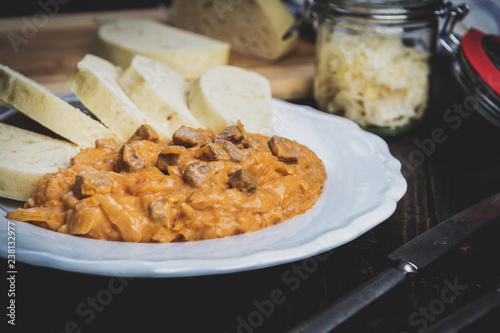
372, 61
373, 79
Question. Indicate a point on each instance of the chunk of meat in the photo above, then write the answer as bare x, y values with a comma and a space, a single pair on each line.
129, 160
158, 211
198, 174
90, 182
214, 152
169, 157
144, 132
188, 137
222, 150
284, 149
242, 179
231, 133
232, 151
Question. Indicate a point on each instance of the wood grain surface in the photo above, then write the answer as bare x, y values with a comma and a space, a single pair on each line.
48, 52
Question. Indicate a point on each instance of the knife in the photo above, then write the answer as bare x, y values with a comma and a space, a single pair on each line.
410, 258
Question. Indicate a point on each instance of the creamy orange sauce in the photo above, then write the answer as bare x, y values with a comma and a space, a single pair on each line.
153, 191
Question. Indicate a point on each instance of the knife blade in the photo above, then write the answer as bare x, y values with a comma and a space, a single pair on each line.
411, 256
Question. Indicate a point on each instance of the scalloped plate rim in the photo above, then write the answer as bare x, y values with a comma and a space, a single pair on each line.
296, 248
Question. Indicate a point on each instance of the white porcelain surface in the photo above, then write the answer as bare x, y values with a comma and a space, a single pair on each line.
363, 187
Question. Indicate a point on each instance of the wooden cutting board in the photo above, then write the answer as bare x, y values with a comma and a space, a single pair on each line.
47, 49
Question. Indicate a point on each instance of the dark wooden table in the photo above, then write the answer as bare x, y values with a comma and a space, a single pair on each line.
444, 176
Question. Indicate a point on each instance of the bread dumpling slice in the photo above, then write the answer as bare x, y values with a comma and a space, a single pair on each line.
160, 92
225, 94
26, 158
93, 80
41, 105
253, 27
188, 53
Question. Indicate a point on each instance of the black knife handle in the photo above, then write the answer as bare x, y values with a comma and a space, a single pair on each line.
353, 302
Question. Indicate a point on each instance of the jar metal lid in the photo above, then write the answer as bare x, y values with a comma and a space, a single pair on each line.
392, 11
477, 68
378, 9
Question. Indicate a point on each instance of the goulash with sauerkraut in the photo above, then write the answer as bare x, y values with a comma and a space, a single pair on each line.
196, 186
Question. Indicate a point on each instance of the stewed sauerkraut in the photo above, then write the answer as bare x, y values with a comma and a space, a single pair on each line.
372, 80
197, 186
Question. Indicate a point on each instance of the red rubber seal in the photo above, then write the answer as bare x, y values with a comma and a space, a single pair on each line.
475, 54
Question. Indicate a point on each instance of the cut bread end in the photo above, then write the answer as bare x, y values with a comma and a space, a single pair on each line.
252, 27
44, 107
225, 94
93, 80
187, 53
26, 158
159, 91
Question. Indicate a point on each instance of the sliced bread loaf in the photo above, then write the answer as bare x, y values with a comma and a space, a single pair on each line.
225, 94
253, 27
43, 106
26, 158
187, 53
93, 80
160, 92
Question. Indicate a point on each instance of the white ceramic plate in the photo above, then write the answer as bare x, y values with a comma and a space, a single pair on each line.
363, 187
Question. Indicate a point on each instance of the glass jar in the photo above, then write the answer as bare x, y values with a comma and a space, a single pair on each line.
372, 59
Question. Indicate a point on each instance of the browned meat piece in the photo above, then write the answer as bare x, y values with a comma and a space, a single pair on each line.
222, 150
214, 152
188, 137
129, 160
144, 132
243, 180
158, 211
232, 151
284, 149
198, 174
90, 182
166, 160
231, 133
169, 157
